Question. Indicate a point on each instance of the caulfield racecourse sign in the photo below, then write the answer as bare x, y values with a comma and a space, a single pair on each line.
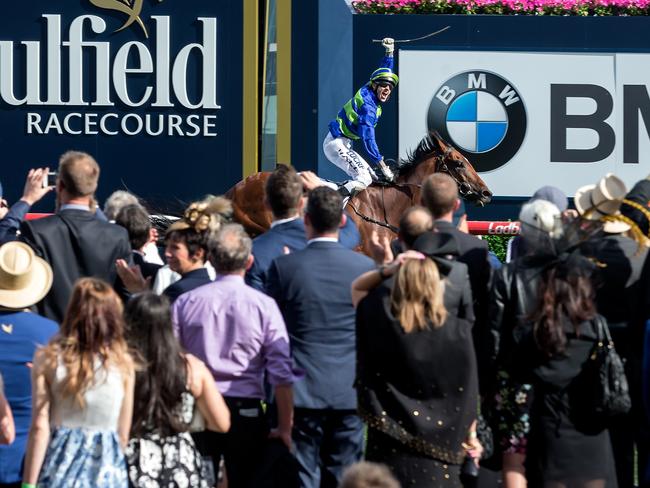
101, 74
111, 82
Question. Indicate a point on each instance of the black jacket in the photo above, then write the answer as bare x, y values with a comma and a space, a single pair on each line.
474, 253
76, 244
513, 298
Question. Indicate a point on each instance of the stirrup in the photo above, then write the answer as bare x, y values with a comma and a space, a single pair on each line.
347, 193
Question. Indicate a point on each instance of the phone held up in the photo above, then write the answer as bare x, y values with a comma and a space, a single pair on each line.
50, 179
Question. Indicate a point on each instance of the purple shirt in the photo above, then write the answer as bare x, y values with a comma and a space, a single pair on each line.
238, 332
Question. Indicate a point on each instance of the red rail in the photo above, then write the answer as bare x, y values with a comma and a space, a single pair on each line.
479, 227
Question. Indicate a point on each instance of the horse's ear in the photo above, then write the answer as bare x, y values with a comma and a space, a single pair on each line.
438, 140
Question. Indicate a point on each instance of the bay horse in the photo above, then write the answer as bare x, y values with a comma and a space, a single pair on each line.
381, 205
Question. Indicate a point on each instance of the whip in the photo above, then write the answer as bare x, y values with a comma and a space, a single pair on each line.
417, 38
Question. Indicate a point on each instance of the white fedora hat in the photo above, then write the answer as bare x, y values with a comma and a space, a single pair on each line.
594, 202
24, 277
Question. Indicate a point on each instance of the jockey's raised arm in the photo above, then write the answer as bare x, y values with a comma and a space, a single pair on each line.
357, 121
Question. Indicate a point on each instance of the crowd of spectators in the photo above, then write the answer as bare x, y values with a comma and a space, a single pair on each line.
286, 360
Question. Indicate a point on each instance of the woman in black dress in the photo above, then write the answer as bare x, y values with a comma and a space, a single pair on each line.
565, 448
416, 375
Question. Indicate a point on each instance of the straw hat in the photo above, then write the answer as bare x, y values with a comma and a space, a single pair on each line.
602, 201
24, 277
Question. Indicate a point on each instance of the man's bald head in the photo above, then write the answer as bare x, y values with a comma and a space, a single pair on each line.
440, 194
414, 222
78, 174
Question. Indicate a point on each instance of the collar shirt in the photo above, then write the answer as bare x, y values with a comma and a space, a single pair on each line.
283, 221
74, 206
238, 332
322, 239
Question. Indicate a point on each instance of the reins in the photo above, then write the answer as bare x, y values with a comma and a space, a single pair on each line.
404, 188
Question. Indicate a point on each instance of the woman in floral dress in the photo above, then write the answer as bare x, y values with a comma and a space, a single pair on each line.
170, 388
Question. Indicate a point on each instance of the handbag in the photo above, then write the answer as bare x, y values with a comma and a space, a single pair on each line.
603, 387
485, 436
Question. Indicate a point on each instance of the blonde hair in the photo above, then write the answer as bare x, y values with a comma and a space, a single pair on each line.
79, 173
93, 328
417, 296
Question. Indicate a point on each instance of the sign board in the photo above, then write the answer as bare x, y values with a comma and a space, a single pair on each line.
526, 119
152, 89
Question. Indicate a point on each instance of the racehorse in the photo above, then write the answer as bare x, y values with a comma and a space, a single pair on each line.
380, 206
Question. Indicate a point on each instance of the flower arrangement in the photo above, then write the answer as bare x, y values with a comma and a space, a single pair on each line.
505, 7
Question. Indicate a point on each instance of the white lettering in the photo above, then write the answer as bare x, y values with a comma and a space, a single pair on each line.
209, 122
76, 44
190, 121
474, 82
445, 94
90, 121
53, 124
163, 62
32, 123
208, 51
132, 124
125, 127
120, 70
161, 125
7, 73
174, 122
509, 94
102, 125
66, 124
53, 59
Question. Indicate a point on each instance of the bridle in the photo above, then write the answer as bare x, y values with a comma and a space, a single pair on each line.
464, 189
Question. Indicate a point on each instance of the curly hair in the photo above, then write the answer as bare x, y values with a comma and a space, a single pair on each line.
92, 330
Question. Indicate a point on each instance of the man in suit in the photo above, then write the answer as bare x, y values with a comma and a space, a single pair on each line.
74, 241
284, 197
312, 288
440, 196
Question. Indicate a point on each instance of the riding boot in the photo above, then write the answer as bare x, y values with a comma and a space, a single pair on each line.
350, 189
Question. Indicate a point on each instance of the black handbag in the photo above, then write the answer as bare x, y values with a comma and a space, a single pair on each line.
603, 386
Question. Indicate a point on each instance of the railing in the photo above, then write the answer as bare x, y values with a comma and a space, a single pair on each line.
483, 227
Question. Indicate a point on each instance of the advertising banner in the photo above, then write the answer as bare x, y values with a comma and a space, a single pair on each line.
526, 119
152, 89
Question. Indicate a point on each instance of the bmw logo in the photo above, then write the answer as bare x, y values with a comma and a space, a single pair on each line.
482, 115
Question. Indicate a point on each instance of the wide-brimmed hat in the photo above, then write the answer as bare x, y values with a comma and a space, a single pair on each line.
602, 201
24, 277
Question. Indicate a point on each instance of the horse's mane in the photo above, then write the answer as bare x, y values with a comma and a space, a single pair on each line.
425, 149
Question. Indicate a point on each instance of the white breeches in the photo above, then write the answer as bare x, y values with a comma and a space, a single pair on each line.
340, 153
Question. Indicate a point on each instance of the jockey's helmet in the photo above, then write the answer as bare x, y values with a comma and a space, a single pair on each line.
385, 75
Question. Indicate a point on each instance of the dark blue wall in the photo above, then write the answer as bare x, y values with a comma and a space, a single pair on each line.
157, 168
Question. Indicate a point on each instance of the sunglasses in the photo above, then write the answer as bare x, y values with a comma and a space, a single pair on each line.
385, 84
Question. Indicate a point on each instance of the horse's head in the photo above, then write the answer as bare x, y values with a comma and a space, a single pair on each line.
451, 161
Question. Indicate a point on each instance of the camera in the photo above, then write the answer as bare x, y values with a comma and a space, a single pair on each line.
50, 179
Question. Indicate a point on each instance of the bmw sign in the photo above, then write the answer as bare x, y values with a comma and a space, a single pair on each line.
482, 114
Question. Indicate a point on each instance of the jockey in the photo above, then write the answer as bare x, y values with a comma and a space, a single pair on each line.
357, 120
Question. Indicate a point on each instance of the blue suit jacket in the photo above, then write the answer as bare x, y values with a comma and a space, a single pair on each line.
312, 288
270, 245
